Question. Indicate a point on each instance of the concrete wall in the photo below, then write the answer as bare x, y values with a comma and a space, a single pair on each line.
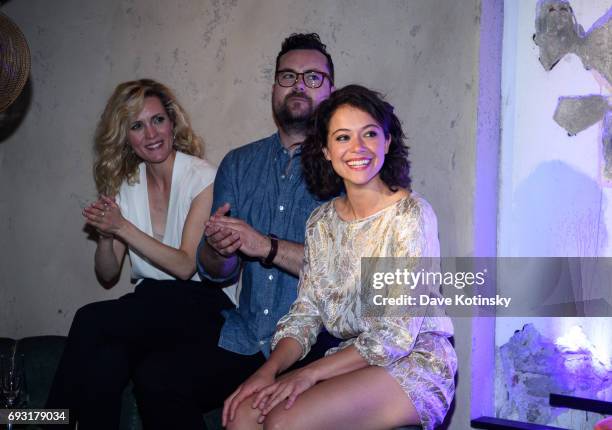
219, 57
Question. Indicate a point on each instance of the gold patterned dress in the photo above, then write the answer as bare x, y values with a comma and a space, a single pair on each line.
415, 350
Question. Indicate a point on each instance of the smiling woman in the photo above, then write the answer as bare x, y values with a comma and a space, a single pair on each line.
356, 147
150, 134
155, 197
390, 370
358, 123
115, 159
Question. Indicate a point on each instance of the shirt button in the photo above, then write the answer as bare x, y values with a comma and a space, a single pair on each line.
282, 176
281, 208
261, 342
270, 277
266, 312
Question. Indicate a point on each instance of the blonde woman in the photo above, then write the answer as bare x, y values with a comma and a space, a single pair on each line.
155, 196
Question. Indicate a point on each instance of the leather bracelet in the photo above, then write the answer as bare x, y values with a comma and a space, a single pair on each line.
273, 250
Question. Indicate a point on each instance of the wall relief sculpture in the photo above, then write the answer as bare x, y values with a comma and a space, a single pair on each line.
558, 34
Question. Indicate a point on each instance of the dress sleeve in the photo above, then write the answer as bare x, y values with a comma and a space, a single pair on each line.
303, 321
224, 191
202, 174
388, 336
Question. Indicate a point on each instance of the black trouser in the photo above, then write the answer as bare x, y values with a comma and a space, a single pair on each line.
175, 387
108, 341
164, 336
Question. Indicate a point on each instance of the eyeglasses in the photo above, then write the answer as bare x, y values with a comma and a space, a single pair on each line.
311, 78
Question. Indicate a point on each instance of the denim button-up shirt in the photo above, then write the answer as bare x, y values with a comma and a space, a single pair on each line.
265, 188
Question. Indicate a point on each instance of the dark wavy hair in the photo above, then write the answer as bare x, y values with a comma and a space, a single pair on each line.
321, 178
305, 41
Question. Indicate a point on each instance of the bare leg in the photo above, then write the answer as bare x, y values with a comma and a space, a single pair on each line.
367, 399
246, 417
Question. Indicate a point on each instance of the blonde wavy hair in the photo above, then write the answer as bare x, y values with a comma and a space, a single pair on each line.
115, 161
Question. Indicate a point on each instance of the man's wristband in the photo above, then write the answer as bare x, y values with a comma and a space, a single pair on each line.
273, 250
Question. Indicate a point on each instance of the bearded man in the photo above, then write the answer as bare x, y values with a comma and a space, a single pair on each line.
255, 236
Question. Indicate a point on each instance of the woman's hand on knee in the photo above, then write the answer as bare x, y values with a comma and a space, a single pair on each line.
288, 387
254, 384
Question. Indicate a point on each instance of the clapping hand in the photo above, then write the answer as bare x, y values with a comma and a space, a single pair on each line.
104, 215
228, 235
223, 240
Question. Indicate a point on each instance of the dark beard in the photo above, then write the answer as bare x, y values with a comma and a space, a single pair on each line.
290, 122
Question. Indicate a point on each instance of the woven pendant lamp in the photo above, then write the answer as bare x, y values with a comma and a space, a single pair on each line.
14, 61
